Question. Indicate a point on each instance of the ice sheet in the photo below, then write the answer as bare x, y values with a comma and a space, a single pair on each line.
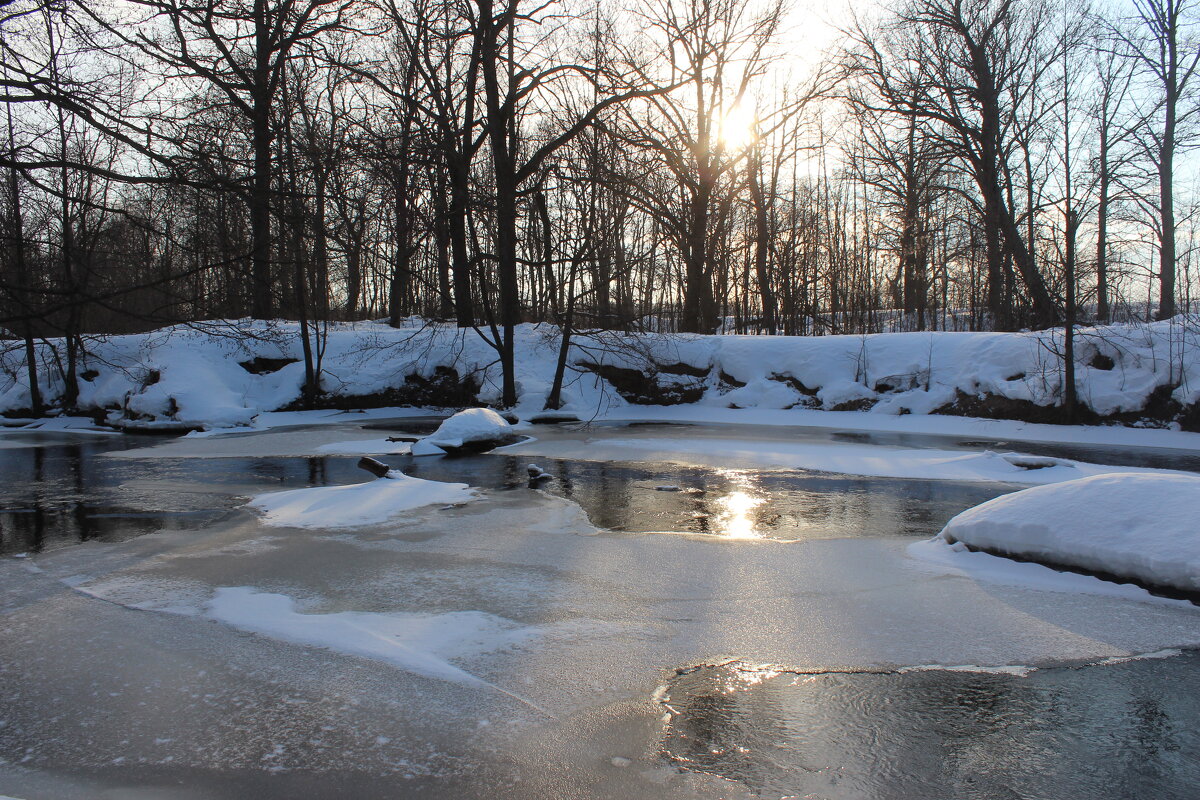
845, 458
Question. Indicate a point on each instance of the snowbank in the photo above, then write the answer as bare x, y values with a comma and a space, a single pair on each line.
474, 425
1133, 526
358, 504
225, 373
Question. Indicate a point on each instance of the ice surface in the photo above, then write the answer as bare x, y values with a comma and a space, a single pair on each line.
369, 503
641, 601
365, 447
932, 425
869, 460
331, 435
1133, 526
245, 649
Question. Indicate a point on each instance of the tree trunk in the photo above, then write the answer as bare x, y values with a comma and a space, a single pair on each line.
1102, 310
504, 174
260, 190
762, 246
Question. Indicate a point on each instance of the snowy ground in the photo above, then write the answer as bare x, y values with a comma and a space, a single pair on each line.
505, 647
194, 377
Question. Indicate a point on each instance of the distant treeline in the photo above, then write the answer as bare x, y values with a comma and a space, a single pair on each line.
665, 164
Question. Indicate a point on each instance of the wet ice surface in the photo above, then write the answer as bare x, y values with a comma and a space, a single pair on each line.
121, 665
1112, 731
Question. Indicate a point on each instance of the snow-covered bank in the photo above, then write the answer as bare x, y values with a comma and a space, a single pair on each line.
358, 504
1129, 526
226, 374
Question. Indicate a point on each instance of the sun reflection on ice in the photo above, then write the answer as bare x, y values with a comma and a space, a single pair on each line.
735, 520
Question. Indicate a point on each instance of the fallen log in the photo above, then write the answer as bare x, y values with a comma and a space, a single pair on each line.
373, 466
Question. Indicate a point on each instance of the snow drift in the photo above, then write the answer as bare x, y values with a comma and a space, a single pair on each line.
1136, 527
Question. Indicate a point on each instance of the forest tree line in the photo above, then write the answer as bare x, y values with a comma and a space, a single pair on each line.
667, 165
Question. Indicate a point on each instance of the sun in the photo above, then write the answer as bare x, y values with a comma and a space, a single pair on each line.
737, 128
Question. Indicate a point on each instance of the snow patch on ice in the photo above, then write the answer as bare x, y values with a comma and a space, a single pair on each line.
1167, 652
423, 644
1019, 670
356, 505
1134, 526
65, 424
935, 556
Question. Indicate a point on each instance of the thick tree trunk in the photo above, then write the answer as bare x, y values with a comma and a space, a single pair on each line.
762, 248
1166, 199
504, 174
261, 306
400, 286
1102, 310
699, 304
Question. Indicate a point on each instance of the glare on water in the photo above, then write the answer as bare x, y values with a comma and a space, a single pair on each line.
735, 518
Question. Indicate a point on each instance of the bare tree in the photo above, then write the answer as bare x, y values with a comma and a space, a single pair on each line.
241, 49
1163, 41
970, 62
1113, 77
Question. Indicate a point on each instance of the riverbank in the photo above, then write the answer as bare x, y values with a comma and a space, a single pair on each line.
226, 374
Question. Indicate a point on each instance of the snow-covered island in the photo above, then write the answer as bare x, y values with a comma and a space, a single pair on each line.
1129, 527
470, 429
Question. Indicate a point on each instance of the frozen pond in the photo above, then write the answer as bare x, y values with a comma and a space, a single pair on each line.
527, 644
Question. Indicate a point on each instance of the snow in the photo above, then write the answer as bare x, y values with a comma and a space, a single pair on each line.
1138, 527
471, 425
422, 644
370, 503
191, 376
936, 557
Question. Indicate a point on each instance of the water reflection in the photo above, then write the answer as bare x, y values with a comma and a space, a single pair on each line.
732, 503
734, 518
55, 491
59, 491
51, 494
1113, 731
